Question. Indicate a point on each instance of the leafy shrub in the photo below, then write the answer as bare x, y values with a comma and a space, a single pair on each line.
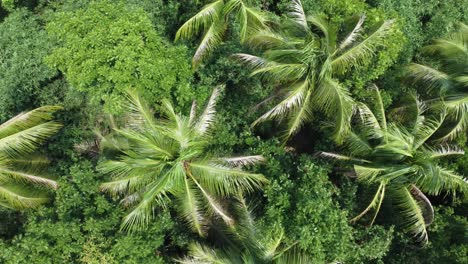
107, 48
23, 47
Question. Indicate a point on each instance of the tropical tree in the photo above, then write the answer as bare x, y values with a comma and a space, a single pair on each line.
167, 157
247, 244
449, 80
400, 161
214, 19
23, 175
305, 58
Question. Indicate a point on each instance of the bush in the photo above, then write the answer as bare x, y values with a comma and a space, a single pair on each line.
23, 47
107, 48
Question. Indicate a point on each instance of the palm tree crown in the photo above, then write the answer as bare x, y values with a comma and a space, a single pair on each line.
450, 81
213, 21
166, 157
401, 162
23, 179
305, 57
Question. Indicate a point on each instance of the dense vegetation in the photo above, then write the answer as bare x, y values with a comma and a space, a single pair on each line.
233, 131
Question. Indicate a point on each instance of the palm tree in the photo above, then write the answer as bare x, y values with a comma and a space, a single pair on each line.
399, 160
247, 244
167, 157
449, 80
23, 178
213, 21
305, 58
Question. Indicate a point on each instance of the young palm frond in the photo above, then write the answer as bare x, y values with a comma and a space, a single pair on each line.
399, 160
23, 176
165, 158
307, 65
213, 20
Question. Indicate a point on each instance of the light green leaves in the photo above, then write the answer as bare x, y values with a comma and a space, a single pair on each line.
213, 21
307, 66
23, 178
165, 158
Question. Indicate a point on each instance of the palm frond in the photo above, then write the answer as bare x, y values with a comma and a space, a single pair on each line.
207, 117
335, 101
434, 180
200, 254
191, 207
375, 203
450, 130
27, 120
302, 114
292, 101
431, 78
445, 150
214, 205
354, 34
358, 54
380, 109
201, 20
412, 212
357, 145
27, 177
251, 21
243, 160
268, 39
212, 38
223, 180
296, 13
138, 111
26, 141
336, 156
20, 197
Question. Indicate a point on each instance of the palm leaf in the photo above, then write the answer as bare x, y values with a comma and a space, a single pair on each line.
26, 141
201, 20
208, 115
354, 34
27, 120
359, 53
412, 212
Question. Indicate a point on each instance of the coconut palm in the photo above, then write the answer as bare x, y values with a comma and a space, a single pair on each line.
167, 157
449, 80
401, 163
305, 59
23, 178
214, 19
247, 244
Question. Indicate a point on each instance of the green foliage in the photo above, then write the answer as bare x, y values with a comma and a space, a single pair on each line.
82, 228
301, 199
448, 228
167, 157
213, 21
102, 48
23, 174
23, 47
449, 80
306, 57
107, 48
399, 158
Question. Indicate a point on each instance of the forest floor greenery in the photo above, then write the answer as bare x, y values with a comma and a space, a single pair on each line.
281, 199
